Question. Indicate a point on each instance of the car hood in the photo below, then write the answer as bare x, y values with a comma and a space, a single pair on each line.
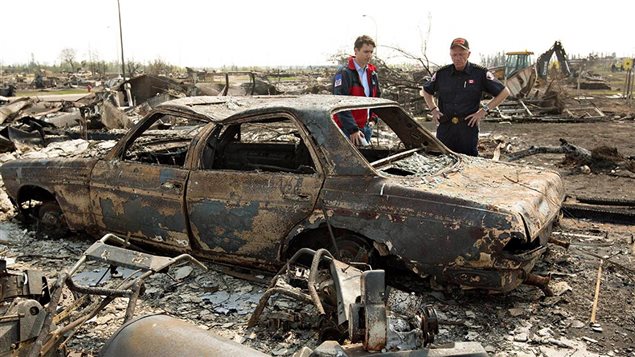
534, 193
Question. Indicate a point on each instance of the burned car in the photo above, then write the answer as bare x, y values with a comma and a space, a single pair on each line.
249, 181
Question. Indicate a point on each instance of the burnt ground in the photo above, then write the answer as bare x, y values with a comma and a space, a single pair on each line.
613, 133
523, 322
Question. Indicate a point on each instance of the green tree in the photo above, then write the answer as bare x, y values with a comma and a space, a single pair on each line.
159, 67
68, 56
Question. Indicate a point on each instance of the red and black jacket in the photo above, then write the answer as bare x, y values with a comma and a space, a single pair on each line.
347, 82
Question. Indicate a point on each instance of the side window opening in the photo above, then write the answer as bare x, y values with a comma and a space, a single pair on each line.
400, 147
165, 141
270, 145
394, 133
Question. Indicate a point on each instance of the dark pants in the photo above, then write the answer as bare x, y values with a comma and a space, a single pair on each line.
459, 137
368, 132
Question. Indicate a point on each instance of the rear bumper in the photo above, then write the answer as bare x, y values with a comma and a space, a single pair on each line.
507, 272
502, 273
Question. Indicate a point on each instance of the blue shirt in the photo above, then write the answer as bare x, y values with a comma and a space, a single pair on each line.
363, 77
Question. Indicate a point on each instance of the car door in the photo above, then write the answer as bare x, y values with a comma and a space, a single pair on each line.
139, 192
256, 182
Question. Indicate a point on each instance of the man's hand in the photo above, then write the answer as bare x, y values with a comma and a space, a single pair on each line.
475, 118
436, 115
356, 138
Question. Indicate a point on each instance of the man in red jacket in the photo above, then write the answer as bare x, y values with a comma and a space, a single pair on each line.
358, 78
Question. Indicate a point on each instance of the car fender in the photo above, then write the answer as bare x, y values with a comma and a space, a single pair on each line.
67, 184
318, 221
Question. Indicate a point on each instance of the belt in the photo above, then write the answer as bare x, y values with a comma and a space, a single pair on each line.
454, 120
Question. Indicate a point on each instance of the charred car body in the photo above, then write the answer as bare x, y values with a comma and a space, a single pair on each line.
251, 180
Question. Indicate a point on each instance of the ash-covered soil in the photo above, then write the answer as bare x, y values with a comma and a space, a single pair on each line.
523, 322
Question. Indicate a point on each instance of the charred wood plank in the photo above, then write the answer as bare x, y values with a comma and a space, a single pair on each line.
607, 214
578, 153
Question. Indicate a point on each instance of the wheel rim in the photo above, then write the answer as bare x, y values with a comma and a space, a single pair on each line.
51, 221
51, 216
353, 249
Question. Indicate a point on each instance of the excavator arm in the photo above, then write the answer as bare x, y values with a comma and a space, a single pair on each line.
542, 64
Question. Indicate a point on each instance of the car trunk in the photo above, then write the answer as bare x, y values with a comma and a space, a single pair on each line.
534, 193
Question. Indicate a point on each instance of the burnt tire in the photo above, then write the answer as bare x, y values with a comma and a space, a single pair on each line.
353, 248
51, 222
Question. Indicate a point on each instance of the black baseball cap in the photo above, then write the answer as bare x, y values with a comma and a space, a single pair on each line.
461, 42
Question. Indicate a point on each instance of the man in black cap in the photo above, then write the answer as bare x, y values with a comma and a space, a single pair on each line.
459, 87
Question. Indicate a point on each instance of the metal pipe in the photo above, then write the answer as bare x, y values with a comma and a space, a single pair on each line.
132, 302
265, 298
96, 290
542, 282
62, 331
331, 234
123, 65
313, 276
169, 337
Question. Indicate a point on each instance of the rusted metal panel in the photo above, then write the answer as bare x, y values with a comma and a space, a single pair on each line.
221, 108
66, 179
533, 193
347, 283
247, 214
437, 234
386, 211
373, 293
143, 201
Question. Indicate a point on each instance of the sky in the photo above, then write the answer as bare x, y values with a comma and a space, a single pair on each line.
199, 33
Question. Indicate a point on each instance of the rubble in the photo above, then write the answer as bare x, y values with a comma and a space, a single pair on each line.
490, 320
401, 85
344, 295
9, 111
44, 323
521, 323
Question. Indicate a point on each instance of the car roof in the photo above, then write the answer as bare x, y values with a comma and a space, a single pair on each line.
220, 108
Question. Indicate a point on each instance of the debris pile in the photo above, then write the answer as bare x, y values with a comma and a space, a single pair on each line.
589, 312
602, 158
522, 322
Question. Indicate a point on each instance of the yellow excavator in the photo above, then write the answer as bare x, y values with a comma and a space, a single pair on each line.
519, 73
